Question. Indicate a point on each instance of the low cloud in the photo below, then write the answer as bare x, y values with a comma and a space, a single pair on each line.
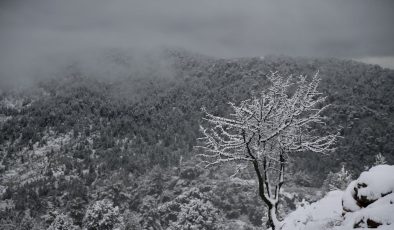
39, 36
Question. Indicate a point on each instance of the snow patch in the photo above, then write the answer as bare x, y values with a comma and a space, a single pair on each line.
319, 215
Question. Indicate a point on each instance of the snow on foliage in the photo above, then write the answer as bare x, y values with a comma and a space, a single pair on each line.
190, 210
380, 159
102, 216
338, 180
35, 164
62, 222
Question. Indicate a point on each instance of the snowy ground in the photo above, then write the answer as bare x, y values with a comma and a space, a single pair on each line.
319, 215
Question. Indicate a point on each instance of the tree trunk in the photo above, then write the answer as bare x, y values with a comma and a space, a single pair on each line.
271, 200
273, 221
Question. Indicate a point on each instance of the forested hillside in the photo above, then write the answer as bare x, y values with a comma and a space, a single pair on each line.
72, 140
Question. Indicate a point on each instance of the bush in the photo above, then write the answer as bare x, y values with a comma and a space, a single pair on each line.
190, 211
62, 222
102, 216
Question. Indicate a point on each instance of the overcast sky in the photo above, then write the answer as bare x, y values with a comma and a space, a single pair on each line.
33, 32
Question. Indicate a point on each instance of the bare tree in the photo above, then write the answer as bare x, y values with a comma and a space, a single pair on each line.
266, 130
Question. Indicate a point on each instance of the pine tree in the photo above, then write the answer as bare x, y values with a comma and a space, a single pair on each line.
379, 159
338, 180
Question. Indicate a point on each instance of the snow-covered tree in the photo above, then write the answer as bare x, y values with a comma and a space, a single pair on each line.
338, 180
379, 159
62, 222
102, 215
267, 129
189, 210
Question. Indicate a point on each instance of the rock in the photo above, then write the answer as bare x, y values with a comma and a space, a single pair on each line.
368, 201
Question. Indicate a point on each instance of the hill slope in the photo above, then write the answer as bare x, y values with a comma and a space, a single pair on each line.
81, 131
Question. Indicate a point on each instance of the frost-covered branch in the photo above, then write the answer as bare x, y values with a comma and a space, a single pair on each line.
267, 129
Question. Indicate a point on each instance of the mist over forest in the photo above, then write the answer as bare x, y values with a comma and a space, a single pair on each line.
41, 37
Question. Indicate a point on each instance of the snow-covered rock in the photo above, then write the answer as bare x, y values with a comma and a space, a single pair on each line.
368, 202
349, 204
374, 184
375, 215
